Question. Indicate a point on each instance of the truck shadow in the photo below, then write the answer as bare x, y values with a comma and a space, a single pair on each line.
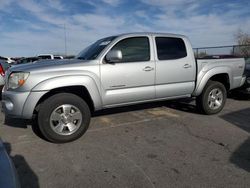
26, 175
241, 156
186, 105
16, 122
23, 124
238, 96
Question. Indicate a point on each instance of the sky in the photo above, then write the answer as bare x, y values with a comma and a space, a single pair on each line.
31, 27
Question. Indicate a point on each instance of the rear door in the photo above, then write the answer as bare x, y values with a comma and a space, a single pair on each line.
175, 67
132, 79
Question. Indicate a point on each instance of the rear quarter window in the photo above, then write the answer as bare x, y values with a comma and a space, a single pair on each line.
169, 48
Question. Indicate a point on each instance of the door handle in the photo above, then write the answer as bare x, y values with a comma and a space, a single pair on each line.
148, 68
186, 66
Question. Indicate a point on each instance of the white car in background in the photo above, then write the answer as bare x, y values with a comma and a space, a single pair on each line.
49, 56
7, 59
58, 57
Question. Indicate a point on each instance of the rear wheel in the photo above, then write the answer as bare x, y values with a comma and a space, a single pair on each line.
213, 98
63, 117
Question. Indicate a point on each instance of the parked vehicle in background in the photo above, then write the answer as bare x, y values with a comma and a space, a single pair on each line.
69, 57
219, 57
245, 89
7, 59
117, 71
49, 56
46, 56
8, 177
58, 57
3, 67
27, 60
16, 59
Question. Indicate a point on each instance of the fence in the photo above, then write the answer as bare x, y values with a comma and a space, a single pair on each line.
234, 50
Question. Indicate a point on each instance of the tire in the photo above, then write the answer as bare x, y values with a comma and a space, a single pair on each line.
211, 101
63, 117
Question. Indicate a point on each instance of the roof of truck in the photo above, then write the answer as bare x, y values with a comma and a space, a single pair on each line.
153, 33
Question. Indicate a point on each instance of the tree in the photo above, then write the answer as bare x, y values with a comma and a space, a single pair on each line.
243, 40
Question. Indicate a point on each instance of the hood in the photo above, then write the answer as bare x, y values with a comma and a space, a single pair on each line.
48, 64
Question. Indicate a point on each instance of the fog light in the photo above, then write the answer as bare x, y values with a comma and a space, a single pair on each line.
9, 105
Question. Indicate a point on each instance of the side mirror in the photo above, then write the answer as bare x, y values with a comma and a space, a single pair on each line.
114, 56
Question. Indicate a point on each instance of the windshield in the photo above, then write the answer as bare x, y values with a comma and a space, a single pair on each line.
92, 51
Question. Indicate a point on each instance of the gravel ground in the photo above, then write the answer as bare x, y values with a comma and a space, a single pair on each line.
166, 144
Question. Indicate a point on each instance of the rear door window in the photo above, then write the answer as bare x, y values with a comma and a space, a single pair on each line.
169, 48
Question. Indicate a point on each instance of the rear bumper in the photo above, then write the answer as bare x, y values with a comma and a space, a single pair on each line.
243, 81
247, 82
245, 87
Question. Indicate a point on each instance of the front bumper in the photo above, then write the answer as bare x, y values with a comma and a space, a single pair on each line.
13, 102
20, 104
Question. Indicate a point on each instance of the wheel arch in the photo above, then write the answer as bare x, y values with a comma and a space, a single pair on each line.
221, 74
78, 90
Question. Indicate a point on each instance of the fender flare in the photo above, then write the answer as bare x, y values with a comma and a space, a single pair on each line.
204, 78
76, 80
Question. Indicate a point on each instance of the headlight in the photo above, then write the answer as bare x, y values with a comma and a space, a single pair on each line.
17, 79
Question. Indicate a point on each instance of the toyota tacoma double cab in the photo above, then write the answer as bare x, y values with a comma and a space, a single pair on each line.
116, 71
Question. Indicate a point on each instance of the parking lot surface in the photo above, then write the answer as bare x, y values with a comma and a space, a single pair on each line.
165, 144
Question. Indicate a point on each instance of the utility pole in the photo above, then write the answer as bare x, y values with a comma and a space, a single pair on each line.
65, 39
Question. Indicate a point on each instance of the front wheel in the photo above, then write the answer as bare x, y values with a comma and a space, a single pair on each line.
63, 117
213, 98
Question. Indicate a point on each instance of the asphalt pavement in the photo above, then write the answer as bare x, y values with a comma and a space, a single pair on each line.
163, 144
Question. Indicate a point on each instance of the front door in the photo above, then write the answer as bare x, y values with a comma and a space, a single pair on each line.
132, 79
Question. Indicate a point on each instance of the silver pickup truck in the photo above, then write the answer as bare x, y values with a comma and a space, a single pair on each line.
116, 71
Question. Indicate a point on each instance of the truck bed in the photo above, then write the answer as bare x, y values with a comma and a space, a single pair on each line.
234, 67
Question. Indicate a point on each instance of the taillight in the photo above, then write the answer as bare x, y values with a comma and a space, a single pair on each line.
2, 70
